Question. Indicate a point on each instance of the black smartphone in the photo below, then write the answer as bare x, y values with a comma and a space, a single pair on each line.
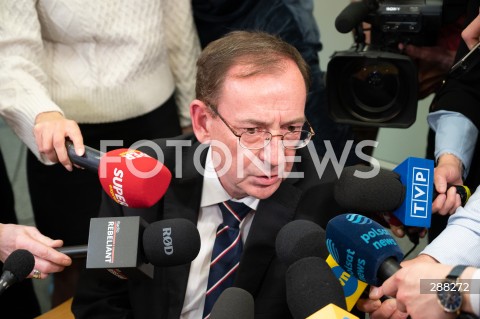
465, 64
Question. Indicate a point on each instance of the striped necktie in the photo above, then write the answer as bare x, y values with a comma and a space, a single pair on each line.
227, 251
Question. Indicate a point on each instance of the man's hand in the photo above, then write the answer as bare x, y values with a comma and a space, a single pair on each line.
448, 171
47, 258
389, 308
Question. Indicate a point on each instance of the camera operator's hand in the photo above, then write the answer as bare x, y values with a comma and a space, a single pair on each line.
433, 64
471, 34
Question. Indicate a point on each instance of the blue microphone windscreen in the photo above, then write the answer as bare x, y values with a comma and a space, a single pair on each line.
383, 192
299, 239
311, 285
171, 242
360, 246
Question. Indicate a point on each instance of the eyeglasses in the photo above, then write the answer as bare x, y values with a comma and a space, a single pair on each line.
258, 139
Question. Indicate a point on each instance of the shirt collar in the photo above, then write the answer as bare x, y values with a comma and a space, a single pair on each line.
213, 191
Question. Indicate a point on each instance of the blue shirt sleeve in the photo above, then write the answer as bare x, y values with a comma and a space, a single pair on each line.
459, 242
455, 134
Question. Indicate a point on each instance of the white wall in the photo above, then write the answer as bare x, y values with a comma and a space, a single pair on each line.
394, 144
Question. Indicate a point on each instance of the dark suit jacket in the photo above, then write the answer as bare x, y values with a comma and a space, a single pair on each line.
101, 295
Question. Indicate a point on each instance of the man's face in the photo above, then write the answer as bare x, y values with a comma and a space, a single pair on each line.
272, 102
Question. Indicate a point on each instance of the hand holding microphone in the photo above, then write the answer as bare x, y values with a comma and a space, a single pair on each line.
407, 192
448, 171
50, 130
48, 260
130, 177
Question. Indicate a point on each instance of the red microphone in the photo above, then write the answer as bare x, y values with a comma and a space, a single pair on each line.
130, 177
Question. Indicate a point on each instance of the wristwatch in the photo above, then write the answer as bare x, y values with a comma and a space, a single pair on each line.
450, 297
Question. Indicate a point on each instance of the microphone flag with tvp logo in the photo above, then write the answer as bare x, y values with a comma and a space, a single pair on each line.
132, 178
114, 243
417, 176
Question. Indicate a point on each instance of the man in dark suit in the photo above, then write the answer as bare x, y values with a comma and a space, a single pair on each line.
249, 146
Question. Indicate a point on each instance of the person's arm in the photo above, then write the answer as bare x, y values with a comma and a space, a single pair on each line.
462, 231
419, 301
455, 141
24, 97
183, 50
47, 259
454, 134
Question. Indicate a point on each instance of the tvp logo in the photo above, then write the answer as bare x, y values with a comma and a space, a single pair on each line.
416, 174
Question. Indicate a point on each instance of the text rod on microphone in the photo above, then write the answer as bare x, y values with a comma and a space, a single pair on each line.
17, 266
303, 238
130, 177
128, 247
363, 247
312, 287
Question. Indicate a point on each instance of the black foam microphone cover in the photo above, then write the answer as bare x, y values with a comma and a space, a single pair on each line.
311, 285
299, 239
381, 193
233, 303
171, 242
351, 16
18, 265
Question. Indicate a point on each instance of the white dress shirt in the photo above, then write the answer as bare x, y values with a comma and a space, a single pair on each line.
209, 219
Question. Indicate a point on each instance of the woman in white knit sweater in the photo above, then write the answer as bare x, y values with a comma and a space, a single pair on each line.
90, 70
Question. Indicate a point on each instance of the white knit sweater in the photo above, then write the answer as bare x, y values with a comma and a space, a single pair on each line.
95, 61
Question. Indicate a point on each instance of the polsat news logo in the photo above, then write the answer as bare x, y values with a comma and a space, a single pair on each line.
113, 227
116, 187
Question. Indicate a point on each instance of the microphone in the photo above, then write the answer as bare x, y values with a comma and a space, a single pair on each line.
299, 239
233, 303
130, 248
407, 191
352, 15
302, 238
363, 247
332, 311
17, 266
310, 286
90, 160
130, 177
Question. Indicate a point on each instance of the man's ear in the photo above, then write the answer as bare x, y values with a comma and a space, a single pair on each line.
201, 120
